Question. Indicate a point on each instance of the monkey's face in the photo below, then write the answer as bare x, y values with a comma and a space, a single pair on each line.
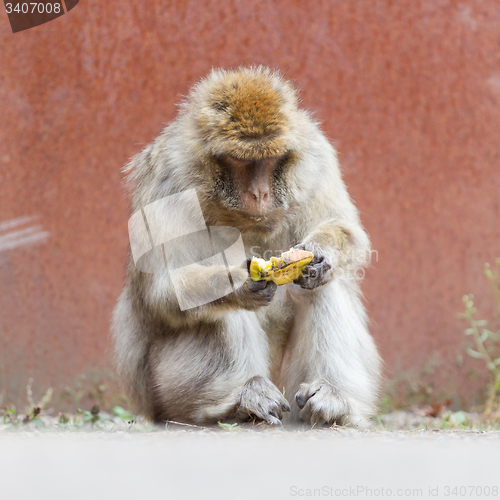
254, 187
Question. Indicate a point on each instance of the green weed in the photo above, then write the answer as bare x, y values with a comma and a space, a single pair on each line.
486, 337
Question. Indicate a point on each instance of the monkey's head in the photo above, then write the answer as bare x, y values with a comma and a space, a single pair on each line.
248, 132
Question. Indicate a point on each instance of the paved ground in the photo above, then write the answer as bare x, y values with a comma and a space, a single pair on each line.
274, 464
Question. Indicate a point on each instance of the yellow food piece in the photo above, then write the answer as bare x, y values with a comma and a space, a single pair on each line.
282, 270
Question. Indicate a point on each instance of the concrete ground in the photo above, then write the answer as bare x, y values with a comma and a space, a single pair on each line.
248, 464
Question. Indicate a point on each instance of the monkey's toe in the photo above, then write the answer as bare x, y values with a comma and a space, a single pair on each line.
322, 403
261, 400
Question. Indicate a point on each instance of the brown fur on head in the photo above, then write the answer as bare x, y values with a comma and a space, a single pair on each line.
248, 113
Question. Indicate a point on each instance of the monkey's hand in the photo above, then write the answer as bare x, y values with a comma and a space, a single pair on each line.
254, 294
316, 273
248, 294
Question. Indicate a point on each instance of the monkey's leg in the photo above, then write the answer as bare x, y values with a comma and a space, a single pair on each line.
331, 364
214, 372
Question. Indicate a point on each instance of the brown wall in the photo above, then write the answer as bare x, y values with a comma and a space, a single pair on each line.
408, 91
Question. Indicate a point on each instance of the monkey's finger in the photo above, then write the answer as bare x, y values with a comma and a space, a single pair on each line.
320, 266
300, 246
307, 270
319, 270
314, 417
312, 414
307, 391
320, 263
325, 404
308, 275
305, 413
260, 413
313, 275
281, 401
299, 281
271, 287
316, 386
279, 406
270, 411
318, 418
267, 293
300, 397
319, 258
273, 406
313, 272
256, 286
276, 411
325, 266
273, 420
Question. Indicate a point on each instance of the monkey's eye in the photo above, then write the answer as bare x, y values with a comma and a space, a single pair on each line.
233, 160
231, 157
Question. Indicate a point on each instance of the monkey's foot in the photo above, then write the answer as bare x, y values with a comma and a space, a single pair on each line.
261, 400
322, 403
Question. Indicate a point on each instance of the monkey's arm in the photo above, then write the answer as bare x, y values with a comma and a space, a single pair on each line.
340, 248
200, 292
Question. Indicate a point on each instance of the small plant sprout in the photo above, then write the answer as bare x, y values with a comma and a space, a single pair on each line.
125, 415
229, 427
493, 276
64, 419
486, 340
35, 409
93, 416
10, 416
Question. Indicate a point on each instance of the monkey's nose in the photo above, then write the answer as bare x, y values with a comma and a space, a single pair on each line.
259, 196
257, 201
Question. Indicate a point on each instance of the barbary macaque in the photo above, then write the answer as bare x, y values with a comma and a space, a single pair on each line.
301, 351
